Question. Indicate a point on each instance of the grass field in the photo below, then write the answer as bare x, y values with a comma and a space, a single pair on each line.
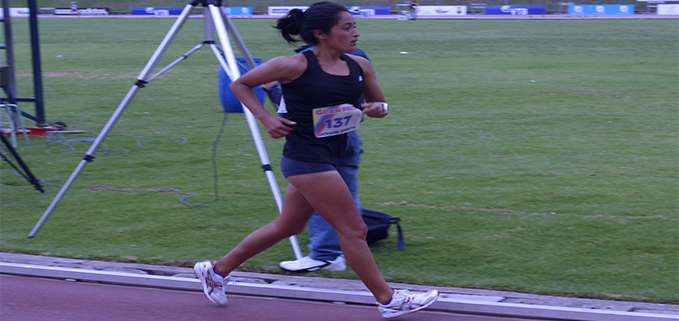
532, 156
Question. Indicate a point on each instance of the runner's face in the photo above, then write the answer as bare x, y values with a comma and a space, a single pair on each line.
344, 34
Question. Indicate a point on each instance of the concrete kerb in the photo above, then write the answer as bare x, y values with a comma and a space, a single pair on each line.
457, 300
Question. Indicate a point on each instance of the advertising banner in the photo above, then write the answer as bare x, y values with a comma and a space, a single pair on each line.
516, 10
16, 12
369, 10
65, 11
175, 11
157, 11
356, 10
237, 11
94, 11
281, 11
442, 10
600, 9
83, 11
668, 9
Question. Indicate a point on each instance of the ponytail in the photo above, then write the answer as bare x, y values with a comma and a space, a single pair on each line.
290, 25
320, 16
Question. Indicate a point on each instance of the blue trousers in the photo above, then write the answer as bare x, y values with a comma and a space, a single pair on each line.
324, 242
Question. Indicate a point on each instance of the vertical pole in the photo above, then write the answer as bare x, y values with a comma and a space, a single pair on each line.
37, 65
9, 53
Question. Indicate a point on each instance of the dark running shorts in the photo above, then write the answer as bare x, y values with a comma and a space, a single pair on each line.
291, 167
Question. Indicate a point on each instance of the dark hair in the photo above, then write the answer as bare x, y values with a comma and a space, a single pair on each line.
321, 15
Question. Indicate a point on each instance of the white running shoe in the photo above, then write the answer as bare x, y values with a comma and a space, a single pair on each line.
307, 264
213, 284
404, 302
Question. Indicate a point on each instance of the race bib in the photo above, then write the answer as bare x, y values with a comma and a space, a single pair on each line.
335, 120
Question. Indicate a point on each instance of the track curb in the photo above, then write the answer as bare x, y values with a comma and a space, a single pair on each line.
447, 302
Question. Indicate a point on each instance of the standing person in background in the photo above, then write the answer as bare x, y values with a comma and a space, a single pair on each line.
413, 9
324, 246
321, 88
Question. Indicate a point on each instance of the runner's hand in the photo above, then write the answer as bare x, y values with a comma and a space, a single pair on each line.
277, 127
375, 109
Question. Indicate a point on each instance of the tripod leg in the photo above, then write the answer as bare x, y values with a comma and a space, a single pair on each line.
166, 41
28, 174
218, 19
239, 42
140, 83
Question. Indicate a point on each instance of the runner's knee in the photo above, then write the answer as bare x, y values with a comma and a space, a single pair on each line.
288, 229
358, 231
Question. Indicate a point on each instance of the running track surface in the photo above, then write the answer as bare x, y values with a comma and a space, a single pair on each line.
27, 299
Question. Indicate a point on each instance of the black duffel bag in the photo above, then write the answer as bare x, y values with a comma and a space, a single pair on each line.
378, 226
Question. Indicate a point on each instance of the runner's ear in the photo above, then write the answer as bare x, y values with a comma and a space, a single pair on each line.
319, 34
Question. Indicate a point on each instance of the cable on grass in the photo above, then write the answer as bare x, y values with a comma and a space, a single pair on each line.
141, 141
95, 187
60, 144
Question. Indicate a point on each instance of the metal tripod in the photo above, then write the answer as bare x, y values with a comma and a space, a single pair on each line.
214, 19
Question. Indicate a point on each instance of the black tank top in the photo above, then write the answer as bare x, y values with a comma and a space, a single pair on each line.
313, 89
